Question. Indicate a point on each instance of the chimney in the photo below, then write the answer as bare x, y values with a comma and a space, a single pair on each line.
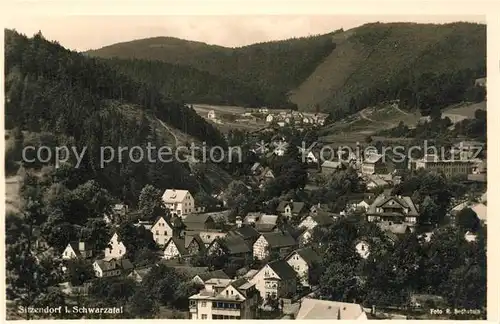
239, 222
81, 246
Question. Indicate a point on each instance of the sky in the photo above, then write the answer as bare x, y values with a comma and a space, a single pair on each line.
91, 32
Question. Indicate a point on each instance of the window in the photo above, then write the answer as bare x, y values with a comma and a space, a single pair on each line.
203, 304
165, 233
203, 316
157, 232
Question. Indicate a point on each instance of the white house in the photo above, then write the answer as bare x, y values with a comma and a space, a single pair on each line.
111, 267
269, 118
77, 250
276, 279
116, 248
162, 231
305, 237
224, 299
363, 248
211, 115
179, 202
303, 260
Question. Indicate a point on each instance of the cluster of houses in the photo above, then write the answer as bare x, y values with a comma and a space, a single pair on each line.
285, 250
278, 117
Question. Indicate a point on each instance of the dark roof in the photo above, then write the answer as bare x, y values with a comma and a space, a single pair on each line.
404, 201
283, 269
307, 254
217, 274
198, 218
180, 243
265, 227
246, 232
235, 244
279, 239
322, 218
296, 206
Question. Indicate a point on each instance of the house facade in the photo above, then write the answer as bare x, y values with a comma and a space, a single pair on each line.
276, 279
179, 202
183, 247
162, 231
393, 210
224, 299
449, 168
116, 248
111, 267
77, 250
275, 242
373, 164
302, 261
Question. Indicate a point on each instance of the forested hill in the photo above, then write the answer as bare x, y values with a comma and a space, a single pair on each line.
273, 68
84, 102
423, 65
190, 84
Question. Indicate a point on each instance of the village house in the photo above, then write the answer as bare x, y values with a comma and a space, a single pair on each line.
373, 164
312, 309
289, 209
275, 242
393, 210
207, 236
138, 274
179, 202
224, 299
231, 245
317, 218
329, 167
183, 247
116, 248
303, 261
211, 115
270, 118
162, 231
261, 222
77, 250
305, 237
375, 182
277, 279
449, 168
363, 248
202, 278
247, 232
199, 222
112, 267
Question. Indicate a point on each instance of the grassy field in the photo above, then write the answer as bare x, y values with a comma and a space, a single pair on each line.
226, 126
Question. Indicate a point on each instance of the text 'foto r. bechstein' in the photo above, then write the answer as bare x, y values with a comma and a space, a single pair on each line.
337, 176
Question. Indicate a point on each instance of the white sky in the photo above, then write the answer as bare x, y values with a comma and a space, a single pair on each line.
91, 32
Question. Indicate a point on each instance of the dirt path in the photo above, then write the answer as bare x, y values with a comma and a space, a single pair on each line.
169, 130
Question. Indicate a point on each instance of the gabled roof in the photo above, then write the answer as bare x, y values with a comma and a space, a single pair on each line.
378, 181
164, 219
372, 158
283, 269
198, 218
235, 244
322, 218
174, 195
179, 243
246, 232
296, 206
279, 239
404, 201
307, 254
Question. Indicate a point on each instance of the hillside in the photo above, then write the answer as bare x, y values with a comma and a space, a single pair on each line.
425, 66
422, 65
272, 67
65, 98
